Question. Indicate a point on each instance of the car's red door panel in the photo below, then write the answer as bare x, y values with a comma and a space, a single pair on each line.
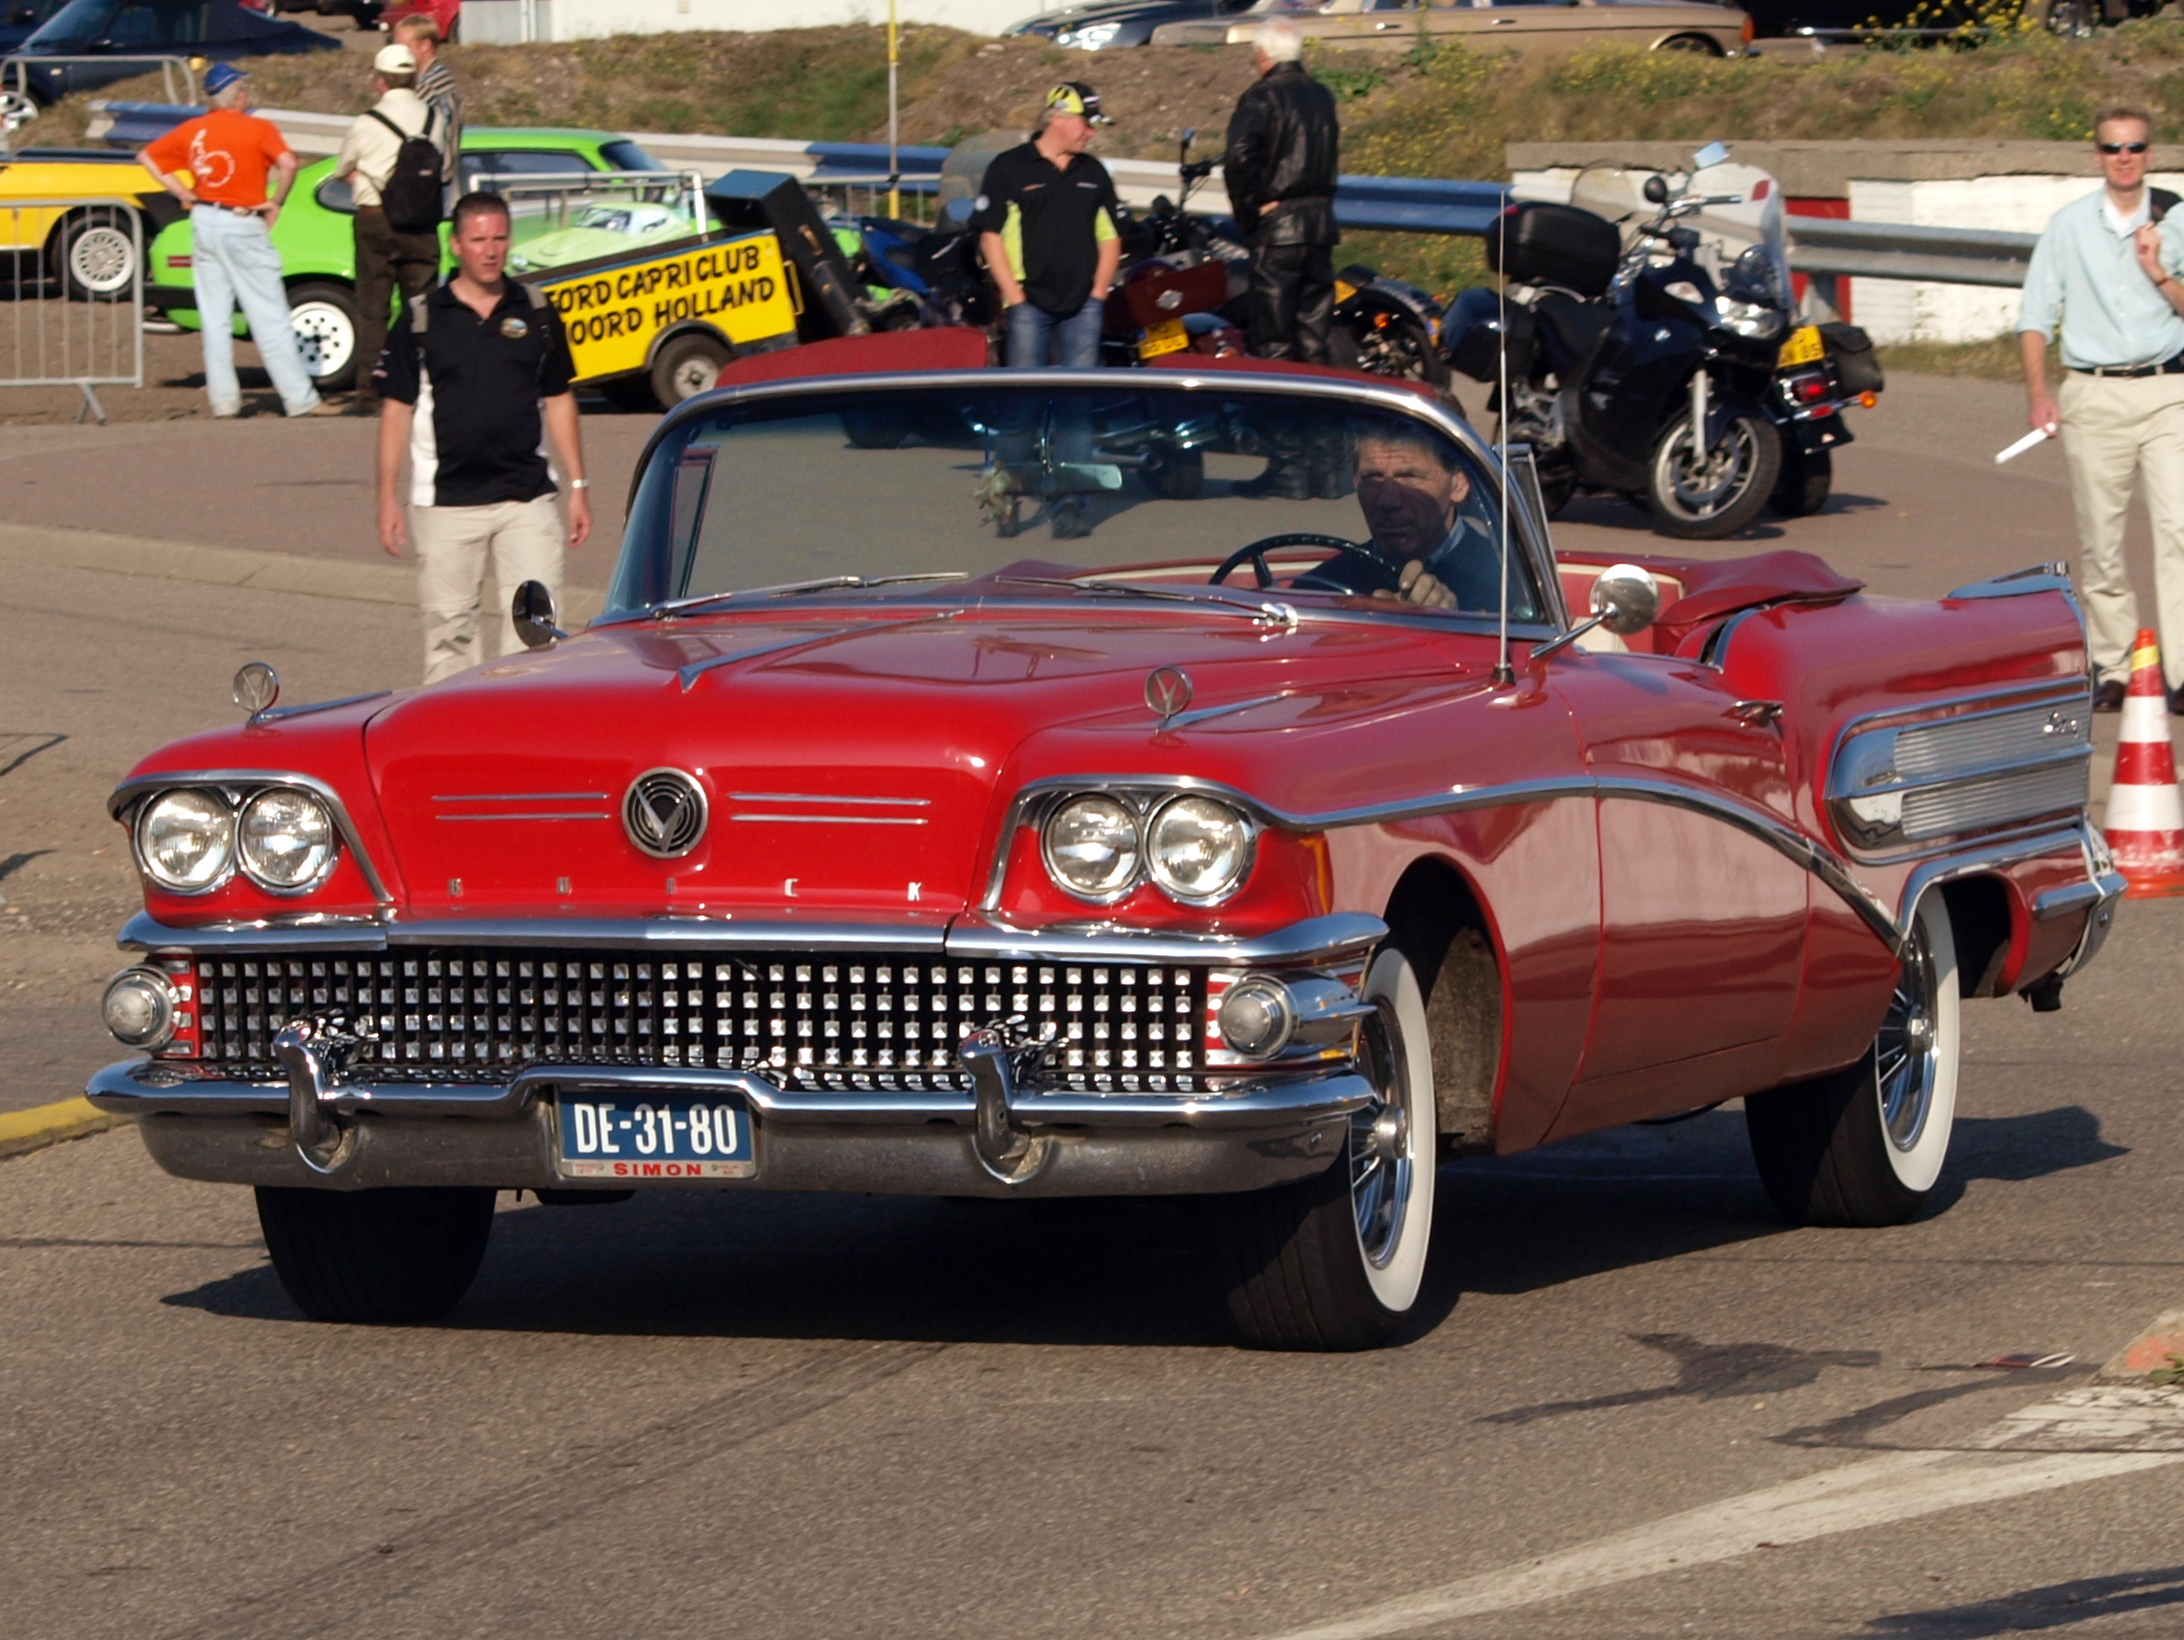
1702, 922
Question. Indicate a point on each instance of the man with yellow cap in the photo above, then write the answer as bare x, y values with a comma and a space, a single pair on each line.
1046, 222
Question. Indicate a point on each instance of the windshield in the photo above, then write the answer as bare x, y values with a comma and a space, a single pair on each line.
79, 23
1156, 492
623, 155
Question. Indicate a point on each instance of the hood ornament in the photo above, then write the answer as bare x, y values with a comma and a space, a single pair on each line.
663, 813
1167, 691
257, 686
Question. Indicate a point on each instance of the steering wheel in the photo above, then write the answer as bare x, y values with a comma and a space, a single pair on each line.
1352, 568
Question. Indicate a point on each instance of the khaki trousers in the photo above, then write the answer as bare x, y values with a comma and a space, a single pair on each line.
524, 540
2117, 432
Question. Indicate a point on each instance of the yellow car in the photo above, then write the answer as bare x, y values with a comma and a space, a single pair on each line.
85, 213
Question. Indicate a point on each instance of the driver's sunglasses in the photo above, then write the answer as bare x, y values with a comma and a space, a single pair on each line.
2122, 147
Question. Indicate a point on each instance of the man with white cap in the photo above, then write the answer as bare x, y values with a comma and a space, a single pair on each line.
394, 249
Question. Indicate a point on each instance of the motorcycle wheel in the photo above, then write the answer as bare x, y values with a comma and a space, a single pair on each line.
1401, 349
1174, 475
1704, 501
1802, 490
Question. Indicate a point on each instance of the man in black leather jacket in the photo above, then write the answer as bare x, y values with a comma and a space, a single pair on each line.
1280, 168
1281, 164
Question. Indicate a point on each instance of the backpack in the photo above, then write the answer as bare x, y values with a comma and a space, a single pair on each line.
412, 192
2162, 202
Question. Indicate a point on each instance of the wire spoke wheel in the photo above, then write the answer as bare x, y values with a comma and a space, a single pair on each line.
1906, 1056
1380, 1151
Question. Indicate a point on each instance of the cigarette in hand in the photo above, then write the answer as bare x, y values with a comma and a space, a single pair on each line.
2037, 435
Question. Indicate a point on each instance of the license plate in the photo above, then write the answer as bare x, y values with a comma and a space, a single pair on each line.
1803, 347
1163, 336
655, 1136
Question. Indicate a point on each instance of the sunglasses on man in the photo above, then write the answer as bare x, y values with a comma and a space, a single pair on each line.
2121, 147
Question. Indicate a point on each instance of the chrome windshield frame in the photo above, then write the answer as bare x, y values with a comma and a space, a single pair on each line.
1529, 536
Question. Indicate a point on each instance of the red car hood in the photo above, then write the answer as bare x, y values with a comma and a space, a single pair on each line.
854, 765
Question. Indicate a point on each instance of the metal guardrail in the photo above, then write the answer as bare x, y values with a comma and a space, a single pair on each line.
1894, 250
73, 314
177, 79
1823, 247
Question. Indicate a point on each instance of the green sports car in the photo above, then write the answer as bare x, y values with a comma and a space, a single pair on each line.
317, 244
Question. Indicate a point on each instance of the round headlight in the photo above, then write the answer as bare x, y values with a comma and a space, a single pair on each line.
186, 841
1092, 848
1257, 1017
1198, 849
286, 839
139, 1008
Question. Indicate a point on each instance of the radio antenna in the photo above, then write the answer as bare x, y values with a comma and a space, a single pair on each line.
1504, 673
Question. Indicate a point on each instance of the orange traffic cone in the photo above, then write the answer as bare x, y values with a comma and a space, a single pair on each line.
2145, 815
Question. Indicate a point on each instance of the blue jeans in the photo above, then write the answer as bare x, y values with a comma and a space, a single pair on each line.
234, 262
1036, 337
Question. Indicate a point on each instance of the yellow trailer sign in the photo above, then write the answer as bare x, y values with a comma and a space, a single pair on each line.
615, 309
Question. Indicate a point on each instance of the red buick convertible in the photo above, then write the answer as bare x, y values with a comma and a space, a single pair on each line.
1200, 781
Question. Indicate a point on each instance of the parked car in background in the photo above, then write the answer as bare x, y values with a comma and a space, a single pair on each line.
447, 13
1526, 25
317, 240
224, 30
1124, 23
90, 245
20, 19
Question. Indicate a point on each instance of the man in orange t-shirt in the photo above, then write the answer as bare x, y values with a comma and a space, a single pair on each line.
218, 166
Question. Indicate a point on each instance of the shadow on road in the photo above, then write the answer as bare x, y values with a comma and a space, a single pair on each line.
2051, 1606
1130, 1273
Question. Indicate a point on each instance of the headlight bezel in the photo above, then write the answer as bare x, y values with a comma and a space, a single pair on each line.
1246, 847
325, 867
167, 1007
142, 848
1144, 806
232, 793
1128, 882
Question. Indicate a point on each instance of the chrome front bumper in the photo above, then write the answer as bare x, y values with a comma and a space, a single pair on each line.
994, 1141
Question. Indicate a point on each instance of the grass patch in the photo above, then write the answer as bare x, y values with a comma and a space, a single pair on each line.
1994, 360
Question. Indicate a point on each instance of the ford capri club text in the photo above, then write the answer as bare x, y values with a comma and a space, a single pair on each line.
738, 288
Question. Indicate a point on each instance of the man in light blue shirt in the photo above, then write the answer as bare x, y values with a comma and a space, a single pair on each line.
2106, 267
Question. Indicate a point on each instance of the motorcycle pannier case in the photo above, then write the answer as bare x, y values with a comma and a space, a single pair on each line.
1555, 245
1851, 351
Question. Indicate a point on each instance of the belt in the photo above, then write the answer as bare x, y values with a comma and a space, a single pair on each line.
237, 210
2171, 366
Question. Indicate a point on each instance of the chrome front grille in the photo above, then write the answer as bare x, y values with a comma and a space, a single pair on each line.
839, 1023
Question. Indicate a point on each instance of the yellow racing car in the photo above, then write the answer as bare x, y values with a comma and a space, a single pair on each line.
84, 213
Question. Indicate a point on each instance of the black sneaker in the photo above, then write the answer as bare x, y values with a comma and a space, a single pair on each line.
1071, 519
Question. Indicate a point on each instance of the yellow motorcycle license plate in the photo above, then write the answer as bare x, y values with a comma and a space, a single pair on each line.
1167, 336
1803, 347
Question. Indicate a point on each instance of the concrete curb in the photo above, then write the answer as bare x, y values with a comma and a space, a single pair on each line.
235, 567
22, 1131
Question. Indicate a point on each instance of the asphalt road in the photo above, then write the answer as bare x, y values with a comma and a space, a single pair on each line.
817, 1416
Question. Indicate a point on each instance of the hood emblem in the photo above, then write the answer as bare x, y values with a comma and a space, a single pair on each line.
664, 813
1167, 691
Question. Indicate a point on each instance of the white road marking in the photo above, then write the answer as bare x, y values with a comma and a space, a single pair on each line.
2135, 1429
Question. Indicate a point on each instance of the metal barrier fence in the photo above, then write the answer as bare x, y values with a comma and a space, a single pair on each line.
177, 78
74, 314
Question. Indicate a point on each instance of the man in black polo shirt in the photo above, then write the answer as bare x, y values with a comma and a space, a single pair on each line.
1046, 223
470, 378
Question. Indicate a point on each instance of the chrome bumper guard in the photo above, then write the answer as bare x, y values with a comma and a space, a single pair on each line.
998, 1135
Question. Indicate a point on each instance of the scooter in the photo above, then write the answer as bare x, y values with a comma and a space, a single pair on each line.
1668, 370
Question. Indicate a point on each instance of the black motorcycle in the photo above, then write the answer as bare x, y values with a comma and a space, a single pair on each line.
1640, 376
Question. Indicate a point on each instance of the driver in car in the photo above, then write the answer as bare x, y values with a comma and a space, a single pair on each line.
1412, 493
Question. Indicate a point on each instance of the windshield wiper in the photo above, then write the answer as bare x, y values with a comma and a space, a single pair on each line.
793, 589
1220, 597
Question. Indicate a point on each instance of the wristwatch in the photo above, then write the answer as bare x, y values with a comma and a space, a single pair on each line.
579, 483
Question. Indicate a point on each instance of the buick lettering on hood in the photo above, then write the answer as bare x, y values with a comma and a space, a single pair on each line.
1204, 781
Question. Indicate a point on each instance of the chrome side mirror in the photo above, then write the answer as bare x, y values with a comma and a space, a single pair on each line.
1625, 599
533, 614
1713, 154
